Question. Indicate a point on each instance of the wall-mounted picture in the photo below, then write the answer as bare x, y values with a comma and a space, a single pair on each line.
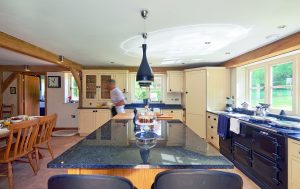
13, 90
54, 82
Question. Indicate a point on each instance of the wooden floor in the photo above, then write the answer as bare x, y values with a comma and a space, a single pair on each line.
25, 179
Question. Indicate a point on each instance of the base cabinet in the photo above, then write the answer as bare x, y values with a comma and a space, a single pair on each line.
212, 129
197, 123
91, 119
177, 114
293, 164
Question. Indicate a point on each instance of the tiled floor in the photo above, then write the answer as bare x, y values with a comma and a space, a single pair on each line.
25, 179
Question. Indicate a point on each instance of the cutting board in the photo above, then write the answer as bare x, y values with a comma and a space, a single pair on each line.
165, 117
122, 116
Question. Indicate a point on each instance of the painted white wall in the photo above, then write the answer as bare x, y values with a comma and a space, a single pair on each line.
10, 98
56, 104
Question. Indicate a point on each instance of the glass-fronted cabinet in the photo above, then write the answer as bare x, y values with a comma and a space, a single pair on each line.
105, 92
91, 87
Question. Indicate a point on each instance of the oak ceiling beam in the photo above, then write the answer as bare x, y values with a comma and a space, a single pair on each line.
8, 81
282, 46
23, 47
76, 75
33, 69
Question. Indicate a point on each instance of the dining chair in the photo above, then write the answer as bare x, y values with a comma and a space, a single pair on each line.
197, 179
22, 146
89, 181
46, 126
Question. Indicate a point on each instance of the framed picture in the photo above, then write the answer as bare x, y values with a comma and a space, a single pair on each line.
54, 82
13, 90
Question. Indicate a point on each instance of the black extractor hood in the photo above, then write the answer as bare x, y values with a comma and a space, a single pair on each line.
144, 75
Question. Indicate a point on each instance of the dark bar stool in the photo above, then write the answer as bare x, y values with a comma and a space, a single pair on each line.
197, 179
88, 181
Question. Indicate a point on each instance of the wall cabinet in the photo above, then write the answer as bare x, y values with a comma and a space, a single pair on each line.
293, 164
91, 119
175, 81
95, 85
212, 129
206, 89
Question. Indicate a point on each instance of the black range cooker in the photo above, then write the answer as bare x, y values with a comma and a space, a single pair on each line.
260, 151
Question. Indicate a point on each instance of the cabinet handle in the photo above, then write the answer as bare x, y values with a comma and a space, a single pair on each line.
212, 137
186, 92
215, 119
95, 111
172, 111
170, 90
212, 127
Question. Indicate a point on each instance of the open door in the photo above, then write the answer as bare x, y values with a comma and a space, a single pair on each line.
31, 95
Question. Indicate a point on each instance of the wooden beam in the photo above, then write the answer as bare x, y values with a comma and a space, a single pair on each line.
133, 69
8, 81
33, 69
23, 47
276, 48
77, 76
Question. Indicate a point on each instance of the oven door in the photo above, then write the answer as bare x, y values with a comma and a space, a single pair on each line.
266, 171
242, 155
265, 144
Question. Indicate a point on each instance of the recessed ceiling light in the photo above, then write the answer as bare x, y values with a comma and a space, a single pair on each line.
227, 53
207, 43
112, 62
183, 63
273, 36
281, 26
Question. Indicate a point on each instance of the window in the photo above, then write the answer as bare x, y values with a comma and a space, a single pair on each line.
274, 84
71, 89
257, 86
154, 91
281, 86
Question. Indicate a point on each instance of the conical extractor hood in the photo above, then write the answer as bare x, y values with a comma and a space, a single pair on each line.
144, 75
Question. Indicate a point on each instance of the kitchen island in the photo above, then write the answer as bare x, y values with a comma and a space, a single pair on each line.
113, 150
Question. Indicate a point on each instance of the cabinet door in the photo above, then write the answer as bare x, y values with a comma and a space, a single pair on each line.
86, 122
175, 81
104, 82
90, 87
101, 117
196, 92
121, 81
197, 123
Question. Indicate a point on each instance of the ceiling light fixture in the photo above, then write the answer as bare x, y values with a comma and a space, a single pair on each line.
144, 75
227, 53
281, 26
61, 58
272, 37
207, 43
26, 68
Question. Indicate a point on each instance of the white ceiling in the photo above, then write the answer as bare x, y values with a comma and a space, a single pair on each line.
94, 32
8, 57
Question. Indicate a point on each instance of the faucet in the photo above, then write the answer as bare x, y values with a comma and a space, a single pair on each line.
262, 109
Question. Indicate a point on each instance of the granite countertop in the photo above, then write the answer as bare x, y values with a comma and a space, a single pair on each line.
289, 133
113, 145
141, 105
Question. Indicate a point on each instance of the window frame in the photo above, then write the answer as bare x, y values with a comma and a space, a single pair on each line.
268, 81
68, 87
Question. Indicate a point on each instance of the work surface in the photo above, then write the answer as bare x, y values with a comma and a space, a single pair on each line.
113, 145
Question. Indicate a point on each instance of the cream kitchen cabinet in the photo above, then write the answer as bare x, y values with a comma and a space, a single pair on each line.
176, 113
175, 81
293, 164
91, 119
206, 89
212, 129
95, 85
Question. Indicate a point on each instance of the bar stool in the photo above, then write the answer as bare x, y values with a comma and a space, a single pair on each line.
197, 179
88, 181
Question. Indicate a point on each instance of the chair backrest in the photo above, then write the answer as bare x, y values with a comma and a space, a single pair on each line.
26, 133
197, 179
88, 181
46, 124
